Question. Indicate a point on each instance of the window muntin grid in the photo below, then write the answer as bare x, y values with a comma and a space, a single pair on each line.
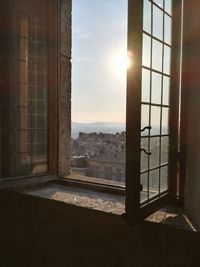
155, 104
23, 89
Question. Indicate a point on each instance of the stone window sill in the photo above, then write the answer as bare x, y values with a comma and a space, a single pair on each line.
109, 203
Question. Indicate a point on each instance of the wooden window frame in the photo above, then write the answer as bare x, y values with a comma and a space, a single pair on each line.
53, 64
134, 210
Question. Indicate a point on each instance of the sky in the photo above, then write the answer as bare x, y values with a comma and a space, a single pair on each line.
99, 61
99, 48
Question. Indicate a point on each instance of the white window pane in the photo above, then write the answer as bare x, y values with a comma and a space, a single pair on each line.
146, 51
157, 23
168, 6
147, 16
168, 29
157, 55
156, 88
145, 117
167, 60
145, 85
159, 2
166, 87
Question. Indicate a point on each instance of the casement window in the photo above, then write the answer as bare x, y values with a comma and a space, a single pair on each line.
35, 103
154, 39
152, 107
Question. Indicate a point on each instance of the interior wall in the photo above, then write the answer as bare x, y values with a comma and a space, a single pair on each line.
191, 108
47, 233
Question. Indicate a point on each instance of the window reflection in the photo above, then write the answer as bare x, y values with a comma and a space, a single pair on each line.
23, 91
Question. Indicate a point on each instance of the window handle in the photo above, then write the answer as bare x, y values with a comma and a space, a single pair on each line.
146, 152
146, 128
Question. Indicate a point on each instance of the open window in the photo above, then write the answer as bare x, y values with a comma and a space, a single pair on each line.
35, 99
154, 41
152, 109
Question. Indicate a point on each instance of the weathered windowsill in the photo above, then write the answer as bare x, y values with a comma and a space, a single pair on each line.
109, 203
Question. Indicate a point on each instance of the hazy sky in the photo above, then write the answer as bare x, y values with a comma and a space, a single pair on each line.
99, 49
99, 43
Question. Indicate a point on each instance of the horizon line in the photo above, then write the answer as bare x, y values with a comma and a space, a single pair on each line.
99, 122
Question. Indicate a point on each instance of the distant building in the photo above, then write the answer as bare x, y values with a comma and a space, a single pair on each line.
106, 167
101, 155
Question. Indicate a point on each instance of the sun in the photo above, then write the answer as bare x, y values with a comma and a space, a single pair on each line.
120, 62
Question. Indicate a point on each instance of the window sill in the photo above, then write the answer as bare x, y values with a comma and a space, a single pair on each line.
109, 203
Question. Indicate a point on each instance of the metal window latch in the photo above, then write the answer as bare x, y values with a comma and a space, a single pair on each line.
146, 128
146, 152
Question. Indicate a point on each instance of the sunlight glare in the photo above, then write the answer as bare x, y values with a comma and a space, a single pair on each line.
121, 62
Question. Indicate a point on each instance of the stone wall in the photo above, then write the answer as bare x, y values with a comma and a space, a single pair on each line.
64, 94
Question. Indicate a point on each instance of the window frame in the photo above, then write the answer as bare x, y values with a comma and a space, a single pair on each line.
132, 185
52, 100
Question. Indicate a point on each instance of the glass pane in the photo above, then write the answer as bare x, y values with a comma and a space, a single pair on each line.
145, 118
164, 149
144, 157
155, 120
157, 56
147, 16
144, 183
22, 145
168, 29
154, 149
21, 118
159, 2
156, 88
39, 162
168, 6
22, 164
153, 183
157, 23
164, 179
25, 97
166, 87
145, 85
167, 60
146, 51
165, 120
